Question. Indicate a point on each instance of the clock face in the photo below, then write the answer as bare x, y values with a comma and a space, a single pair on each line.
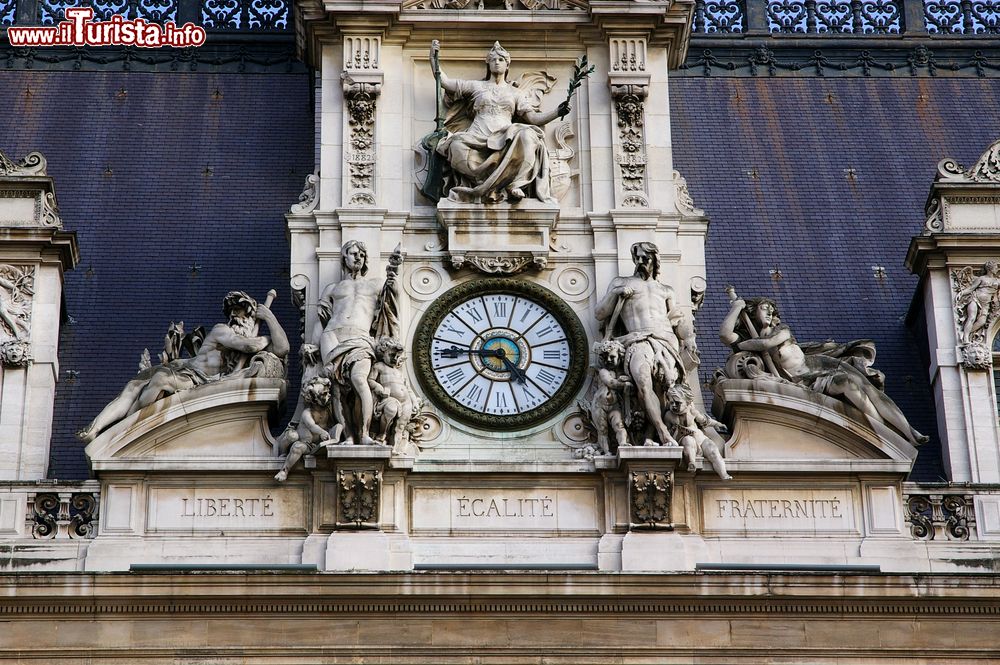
500, 353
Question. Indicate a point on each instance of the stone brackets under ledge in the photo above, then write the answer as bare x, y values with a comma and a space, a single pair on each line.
498, 239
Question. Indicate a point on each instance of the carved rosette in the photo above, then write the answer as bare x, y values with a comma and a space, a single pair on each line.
358, 496
649, 499
977, 306
16, 294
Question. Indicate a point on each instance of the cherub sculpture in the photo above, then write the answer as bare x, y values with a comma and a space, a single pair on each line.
688, 424
397, 405
605, 407
313, 431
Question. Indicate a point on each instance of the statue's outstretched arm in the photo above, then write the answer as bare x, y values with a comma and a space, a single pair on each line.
446, 83
539, 118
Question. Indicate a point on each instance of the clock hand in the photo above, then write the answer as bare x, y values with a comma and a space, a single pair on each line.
516, 372
454, 352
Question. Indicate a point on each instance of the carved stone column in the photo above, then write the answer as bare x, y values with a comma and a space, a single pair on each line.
34, 252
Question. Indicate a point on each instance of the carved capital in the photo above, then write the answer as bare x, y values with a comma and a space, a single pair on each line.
358, 496
649, 499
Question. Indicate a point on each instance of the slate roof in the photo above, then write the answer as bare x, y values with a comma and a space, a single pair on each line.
817, 179
158, 173
823, 180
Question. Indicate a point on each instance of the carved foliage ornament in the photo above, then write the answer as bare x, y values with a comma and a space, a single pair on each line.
986, 169
631, 158
358, 495
361, 105
16, 293
977, 305
649, 499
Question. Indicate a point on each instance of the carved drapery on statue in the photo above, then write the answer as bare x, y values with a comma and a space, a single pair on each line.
977, 304
490, 147
764, 349
638, 394
355, 389
231, 350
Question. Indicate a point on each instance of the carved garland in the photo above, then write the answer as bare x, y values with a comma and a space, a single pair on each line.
631, 157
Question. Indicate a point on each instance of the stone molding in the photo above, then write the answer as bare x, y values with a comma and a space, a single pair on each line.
788, 593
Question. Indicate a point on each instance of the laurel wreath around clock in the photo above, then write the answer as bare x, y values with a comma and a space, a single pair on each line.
575, 334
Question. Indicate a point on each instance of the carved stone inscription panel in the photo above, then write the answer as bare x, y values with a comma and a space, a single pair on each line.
786, 510
517, 509
226, 509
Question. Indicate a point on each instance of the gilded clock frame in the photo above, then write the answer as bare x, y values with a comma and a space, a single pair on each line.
576, 336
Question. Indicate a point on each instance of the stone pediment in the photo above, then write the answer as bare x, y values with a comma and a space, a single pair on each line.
784, 427
220, 425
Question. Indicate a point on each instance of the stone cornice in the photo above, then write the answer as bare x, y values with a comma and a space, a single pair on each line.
437, 593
